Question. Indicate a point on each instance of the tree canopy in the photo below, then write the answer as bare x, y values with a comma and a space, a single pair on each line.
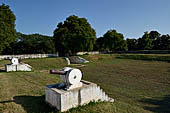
145, 43
162, 43
74, 35
132, 44
152, 40
112, 41
31, 44
7, 27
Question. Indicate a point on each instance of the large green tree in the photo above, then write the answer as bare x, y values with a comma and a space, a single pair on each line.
148, 41
162, 43
132, 44
7, 27
114, 41
74, 35
145, 43
100, 44
154, 35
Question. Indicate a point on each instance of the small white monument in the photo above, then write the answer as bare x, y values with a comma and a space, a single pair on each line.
17, 66
15, 61
73, 91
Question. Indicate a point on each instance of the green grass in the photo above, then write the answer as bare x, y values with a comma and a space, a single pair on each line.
138, 86
151, 57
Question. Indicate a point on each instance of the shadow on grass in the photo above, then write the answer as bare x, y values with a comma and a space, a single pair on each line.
2, 70
158, 105
32, 104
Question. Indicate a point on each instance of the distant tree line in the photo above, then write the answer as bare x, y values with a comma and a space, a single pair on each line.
31, 44
149, 41
73, 35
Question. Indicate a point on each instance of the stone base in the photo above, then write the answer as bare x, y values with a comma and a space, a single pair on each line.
64, 100
18, 67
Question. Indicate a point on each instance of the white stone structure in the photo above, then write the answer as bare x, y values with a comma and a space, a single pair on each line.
68, 61
25, 56
90, 53
71, 77
64, 100
63, 96
77, 60
16, 66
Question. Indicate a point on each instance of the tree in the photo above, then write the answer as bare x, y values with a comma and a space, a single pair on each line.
7, 27
99, 44
74, 35
148, 40
132, 44
145, 43
154, 35
114, 41
162, 43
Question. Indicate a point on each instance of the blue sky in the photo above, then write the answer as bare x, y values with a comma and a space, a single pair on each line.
130, 17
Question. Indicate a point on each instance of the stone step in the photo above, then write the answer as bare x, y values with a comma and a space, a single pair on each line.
103, 96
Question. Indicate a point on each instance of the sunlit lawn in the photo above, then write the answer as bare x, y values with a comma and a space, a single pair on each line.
137, 86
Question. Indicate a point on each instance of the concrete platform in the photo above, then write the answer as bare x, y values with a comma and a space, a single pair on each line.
18, 67
64, 100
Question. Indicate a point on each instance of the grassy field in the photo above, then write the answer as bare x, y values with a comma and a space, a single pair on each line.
138, 86
149, 57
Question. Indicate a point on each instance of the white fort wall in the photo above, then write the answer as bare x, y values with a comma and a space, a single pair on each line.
2, 57
90, 53
24, 56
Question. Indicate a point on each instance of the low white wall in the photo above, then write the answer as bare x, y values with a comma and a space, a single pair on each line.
2, 57
90, 53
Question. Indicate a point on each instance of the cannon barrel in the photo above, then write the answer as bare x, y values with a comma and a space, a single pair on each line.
71, 77
58, 72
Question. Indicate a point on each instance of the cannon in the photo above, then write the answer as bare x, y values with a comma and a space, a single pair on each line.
16, 65
14, 61
73, 91
71, 77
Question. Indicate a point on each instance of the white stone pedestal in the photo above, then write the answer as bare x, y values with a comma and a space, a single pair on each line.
64, 100
17, 67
